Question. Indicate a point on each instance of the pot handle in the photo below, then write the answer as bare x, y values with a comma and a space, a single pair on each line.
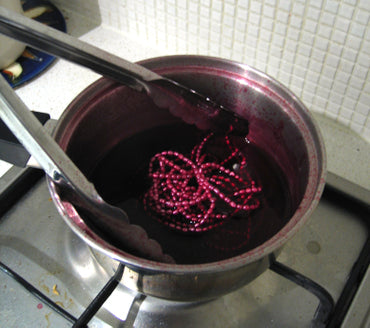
11, 150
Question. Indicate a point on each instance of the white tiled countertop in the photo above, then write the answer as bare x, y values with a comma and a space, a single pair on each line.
348, 154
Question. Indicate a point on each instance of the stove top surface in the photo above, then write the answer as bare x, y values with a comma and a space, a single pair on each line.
37, 244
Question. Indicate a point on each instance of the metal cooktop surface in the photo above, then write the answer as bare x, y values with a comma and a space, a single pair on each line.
331, 251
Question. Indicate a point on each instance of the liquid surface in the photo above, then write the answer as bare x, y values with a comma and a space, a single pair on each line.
122, 179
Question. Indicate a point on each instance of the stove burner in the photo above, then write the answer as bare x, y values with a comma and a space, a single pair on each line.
199, 193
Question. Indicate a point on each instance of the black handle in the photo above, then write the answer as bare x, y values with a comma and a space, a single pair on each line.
11, 150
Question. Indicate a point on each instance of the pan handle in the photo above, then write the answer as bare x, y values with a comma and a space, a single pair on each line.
11, 150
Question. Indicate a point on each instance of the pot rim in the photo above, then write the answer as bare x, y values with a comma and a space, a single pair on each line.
309, 201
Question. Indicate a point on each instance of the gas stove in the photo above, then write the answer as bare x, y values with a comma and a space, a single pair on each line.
51, 278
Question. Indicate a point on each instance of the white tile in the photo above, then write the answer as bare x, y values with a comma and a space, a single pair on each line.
355, 43
338, 36
323, 92
356, 83
310, 25
229, 8
343, 77
298, 9
324, 31
263, 46
360, 71
347, 66
342, 24
216, 15
299, 71
353, 92
366, 47
317, 3
307, 38
242, 14
351, 2
335, 49
351, 55
333, 109
363, 108
253, 30
365, 98
318, 54
228, 20
193, 6
205, 11
267, 23
289, 53
364, 4
313, 13
268, 11
285, 5
304, 49
367, 86
293, 33
346, 10
320, 104
316, 66
216, 5
215, 27
227, 31
321, 43
256, 6
277, 40
275, 61
243, 4
239, 36
327, 18
276, 53
339, 87
227, 42
357, 29
284, 77
310, 87
332, 60
204, 33
204, 23
362, 16
225, 52
296, 21
254, 19
251, 41
312, 77
282, 16
347, 109
326, 82
332, 6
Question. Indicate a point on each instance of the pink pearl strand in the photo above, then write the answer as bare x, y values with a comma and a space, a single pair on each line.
199, 194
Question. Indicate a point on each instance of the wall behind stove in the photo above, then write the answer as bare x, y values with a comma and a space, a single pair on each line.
320, 49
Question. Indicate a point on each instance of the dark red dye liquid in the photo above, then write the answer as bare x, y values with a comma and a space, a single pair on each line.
121, 178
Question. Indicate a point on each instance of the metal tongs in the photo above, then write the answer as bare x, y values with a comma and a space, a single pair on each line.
191, 106
74, 186
181, 101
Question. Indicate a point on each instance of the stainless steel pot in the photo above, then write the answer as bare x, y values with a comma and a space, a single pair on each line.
107, 113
